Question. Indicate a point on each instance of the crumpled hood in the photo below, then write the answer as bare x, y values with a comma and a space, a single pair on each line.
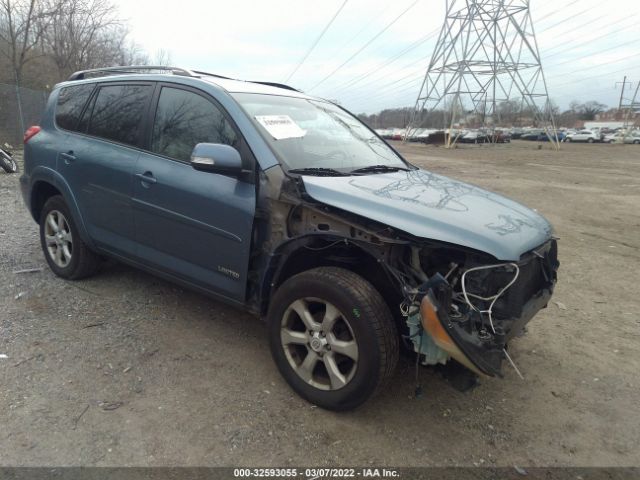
435, 207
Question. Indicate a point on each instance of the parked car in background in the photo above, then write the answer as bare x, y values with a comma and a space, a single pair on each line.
286, 206
474, 136
532, 135
516, 133
385, 133
544, 136
620, 137
500, 136
589, 136
419, 135
435, 137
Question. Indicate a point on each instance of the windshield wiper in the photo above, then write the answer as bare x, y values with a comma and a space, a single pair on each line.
378, 168
318, 171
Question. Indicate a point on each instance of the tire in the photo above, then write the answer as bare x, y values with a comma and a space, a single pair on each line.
67, 255
7, 162
590, 140
636, 142
567, 140
363, 328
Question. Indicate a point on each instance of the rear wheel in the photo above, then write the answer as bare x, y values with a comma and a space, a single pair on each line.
590, 140
7, 162
332, 337
67, 255
636, 142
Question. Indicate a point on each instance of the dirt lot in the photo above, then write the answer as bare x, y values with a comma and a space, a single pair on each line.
126, 369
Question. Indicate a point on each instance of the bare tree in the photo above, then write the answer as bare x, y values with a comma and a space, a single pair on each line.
162, 58
22, 24
83, 34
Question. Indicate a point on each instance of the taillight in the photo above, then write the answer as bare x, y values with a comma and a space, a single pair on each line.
31, 131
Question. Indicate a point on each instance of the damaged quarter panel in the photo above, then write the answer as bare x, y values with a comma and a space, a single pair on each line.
435, 207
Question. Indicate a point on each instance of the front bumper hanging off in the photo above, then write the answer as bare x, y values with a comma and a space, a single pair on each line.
483, 350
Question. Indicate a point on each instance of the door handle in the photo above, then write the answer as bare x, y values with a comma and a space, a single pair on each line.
146, 177
68, 157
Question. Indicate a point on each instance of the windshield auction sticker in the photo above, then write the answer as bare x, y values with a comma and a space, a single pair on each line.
280, 126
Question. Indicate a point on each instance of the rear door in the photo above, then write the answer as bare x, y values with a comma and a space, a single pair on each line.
99, 158
191, 224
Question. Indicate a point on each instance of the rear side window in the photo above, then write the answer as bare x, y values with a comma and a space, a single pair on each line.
118, 111
70, 104
184, 119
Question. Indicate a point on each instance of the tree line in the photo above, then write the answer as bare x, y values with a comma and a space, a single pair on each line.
43, 41
509, 113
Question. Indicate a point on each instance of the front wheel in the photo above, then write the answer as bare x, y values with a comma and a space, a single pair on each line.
332, 337
590, 140
7, 162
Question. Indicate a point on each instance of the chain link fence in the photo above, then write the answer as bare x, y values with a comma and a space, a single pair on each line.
19, 109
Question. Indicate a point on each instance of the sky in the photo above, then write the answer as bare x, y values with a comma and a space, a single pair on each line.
375, 53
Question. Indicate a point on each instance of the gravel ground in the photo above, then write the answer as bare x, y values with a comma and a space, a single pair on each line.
126, 369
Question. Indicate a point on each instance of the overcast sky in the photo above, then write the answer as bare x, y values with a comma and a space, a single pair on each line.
586, 45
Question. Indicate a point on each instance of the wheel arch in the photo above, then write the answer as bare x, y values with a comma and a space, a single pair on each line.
320, 250
47, 183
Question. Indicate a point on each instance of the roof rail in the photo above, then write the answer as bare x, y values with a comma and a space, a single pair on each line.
275, 84
207, 74
101, 72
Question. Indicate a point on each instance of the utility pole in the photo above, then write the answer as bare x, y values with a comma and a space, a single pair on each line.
486, 54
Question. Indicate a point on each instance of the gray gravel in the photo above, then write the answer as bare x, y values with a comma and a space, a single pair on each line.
126, 369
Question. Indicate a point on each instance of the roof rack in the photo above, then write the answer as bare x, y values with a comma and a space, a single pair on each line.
100, 72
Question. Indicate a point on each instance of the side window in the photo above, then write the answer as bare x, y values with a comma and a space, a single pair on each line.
184, 119
118, 112
71, 101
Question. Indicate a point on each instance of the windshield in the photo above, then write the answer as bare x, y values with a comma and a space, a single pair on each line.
315, 135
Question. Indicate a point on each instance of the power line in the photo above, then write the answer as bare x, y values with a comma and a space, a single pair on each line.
365, 46
566, 19
564, 7
317, 41
365, 27
596, 53
626, 69
349, 84
582, 42
413, 83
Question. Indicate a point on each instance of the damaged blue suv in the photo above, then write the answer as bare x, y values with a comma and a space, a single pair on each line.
289, 207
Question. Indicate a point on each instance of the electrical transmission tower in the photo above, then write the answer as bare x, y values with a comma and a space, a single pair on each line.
486, 67
630, 109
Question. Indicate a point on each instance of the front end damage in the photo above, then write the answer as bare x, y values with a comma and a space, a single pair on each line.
472, 311
450, 301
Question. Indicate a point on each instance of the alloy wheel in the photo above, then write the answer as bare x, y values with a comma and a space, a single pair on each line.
319, 343
58, 238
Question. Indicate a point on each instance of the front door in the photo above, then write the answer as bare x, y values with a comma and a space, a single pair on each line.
191, 224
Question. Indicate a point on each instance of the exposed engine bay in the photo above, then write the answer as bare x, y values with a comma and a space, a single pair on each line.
468, 309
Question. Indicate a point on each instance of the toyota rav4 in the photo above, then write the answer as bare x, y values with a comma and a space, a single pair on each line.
288, 206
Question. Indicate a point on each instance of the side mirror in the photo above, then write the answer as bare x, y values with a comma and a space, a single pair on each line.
217, 158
